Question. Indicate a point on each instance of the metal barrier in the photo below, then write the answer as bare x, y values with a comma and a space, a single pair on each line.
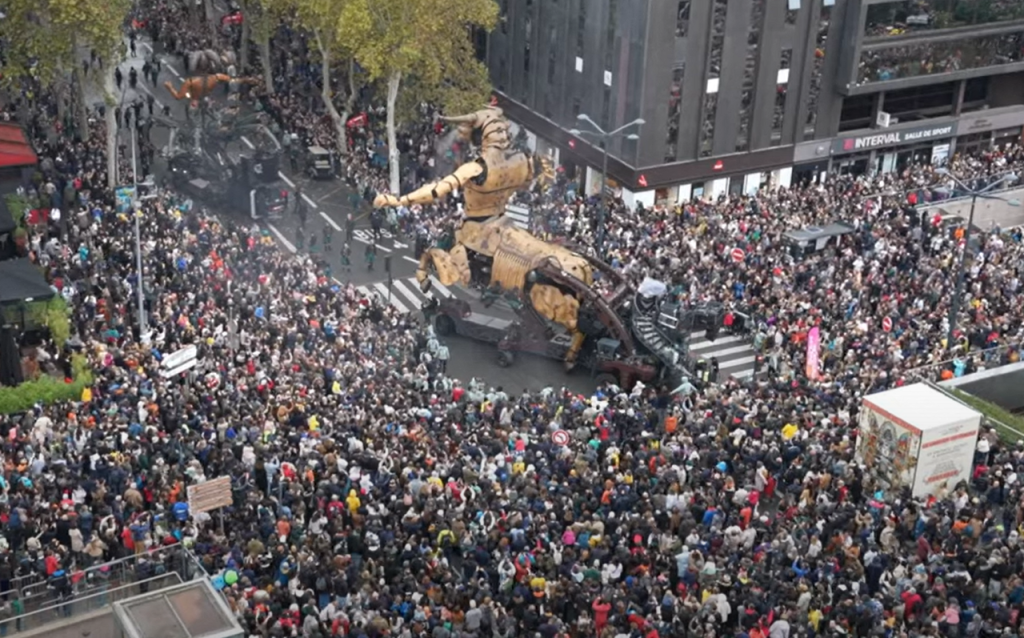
78, 604
36, 592
991, 358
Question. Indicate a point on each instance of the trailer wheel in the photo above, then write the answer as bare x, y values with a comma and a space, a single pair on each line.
444, 325
604, 378
506, 358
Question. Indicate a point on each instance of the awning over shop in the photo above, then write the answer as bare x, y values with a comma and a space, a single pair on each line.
20, 280
15, 149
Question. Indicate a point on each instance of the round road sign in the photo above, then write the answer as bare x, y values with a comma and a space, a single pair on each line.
738, 255
560, 437
887, 324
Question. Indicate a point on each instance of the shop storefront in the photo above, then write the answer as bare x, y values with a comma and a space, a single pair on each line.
892, 150
989, 129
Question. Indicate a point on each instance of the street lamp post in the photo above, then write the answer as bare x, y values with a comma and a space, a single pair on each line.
136, 213
604, 137
954, 309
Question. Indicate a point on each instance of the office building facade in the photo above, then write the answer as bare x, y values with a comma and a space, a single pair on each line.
739, 93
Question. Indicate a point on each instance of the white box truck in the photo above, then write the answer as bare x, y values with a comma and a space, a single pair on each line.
916, 436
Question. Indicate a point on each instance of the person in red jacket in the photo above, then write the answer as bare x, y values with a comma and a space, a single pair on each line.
601, 609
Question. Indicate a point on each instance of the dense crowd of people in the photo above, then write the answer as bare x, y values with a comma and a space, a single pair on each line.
897, 263
926, 58
374, 496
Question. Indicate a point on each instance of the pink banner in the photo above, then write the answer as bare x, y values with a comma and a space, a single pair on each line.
813, 350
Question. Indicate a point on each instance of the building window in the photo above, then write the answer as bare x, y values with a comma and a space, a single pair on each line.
714, 69
922, 102
675, 95
858, 112
527, 34
879, 64
606, 108
581, 28
975, 95
792, 11
824, 20
552, 58
757, 12
609, 45
683, 19
781, 91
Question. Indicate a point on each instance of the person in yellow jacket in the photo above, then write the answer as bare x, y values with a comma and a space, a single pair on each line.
446, 536
353, 501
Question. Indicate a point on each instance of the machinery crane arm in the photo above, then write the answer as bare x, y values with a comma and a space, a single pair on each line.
432, 192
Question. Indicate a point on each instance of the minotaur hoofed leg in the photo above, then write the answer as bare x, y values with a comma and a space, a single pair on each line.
451, 267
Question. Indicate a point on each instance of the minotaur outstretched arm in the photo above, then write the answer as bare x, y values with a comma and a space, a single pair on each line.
433, 192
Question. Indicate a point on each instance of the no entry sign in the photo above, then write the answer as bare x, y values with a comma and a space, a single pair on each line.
738, 255
887, 324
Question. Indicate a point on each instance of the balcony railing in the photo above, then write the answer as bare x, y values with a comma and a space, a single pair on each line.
84, 601
36, 592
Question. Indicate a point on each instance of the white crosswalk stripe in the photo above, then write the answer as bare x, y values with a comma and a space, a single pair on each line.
414, 300
734, 353
366, 237
405, 293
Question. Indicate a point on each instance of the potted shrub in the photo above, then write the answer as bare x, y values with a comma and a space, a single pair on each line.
20, 239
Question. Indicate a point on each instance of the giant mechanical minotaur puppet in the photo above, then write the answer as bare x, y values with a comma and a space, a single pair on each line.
490, 251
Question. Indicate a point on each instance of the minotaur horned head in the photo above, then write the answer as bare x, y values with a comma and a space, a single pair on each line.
486, 127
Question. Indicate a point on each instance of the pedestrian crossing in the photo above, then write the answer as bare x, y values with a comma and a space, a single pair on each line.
734, 353
405, 293
365, 236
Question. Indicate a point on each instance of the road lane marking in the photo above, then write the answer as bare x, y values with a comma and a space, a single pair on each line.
330, 221
285, 178
383, 290
411, 260
368, 242
313, 204
284, 240
408, 294
170, 67
437, 285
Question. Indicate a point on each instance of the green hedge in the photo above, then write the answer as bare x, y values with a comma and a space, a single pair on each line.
17, 205
1009, 426
53, 313
47, 389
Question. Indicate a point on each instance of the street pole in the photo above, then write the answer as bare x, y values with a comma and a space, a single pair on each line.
954, 310
602, 211
138, 241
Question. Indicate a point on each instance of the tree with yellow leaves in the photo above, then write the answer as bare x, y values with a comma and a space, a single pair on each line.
428, 39
47, 39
